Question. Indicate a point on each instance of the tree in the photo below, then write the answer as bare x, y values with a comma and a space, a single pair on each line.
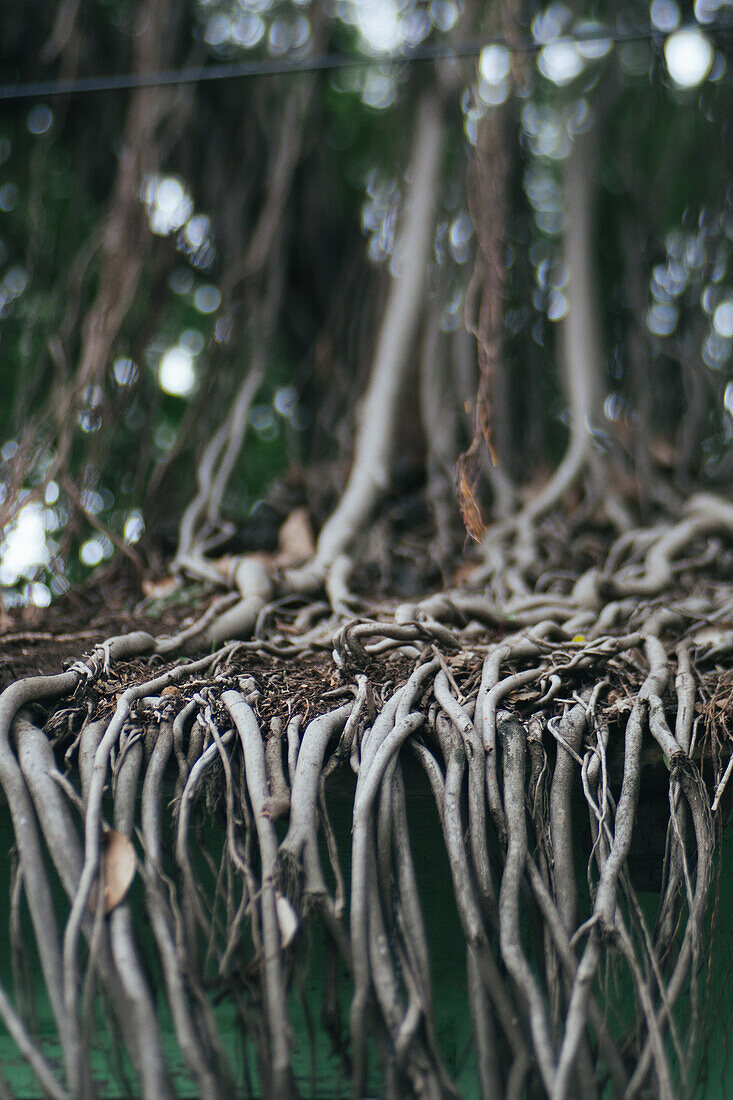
203, 348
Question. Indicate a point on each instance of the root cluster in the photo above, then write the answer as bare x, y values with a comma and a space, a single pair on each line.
535, 708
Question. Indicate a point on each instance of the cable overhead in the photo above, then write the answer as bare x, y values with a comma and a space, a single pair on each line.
238, 70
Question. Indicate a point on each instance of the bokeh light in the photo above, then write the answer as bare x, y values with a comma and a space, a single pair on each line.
689, 56
176, 372
23, 549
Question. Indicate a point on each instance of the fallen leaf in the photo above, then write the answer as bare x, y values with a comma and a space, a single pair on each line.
155, 590
287, 919
119, 864
463, 573
663, 451
295, 541
523, 696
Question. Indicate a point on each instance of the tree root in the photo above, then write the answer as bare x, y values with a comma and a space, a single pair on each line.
516, 717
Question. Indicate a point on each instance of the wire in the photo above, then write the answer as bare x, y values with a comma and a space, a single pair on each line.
280, 66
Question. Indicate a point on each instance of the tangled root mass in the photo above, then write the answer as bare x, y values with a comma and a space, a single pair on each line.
533, 708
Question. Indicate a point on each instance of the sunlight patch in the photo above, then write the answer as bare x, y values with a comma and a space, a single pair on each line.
689, 56
176, 373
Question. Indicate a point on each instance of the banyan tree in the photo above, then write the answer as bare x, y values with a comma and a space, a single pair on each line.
366, 548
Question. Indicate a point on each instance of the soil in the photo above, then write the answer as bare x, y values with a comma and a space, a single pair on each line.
43, 641
36, 641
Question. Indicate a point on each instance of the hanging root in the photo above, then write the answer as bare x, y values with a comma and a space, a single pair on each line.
522, 709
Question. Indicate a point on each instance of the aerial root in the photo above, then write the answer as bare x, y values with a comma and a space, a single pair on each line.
506, 732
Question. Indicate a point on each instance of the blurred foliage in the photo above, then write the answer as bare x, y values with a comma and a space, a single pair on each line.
663, 174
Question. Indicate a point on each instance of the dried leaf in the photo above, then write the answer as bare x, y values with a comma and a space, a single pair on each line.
470, 511
119, 864
525, 695
295, 541
663, 451
224, 564
287, 918
155, 590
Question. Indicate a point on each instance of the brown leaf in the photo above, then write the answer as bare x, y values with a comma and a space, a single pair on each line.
154, 590
119, 864
470, 510
523, 696
295, 541
223, 565
663, 451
